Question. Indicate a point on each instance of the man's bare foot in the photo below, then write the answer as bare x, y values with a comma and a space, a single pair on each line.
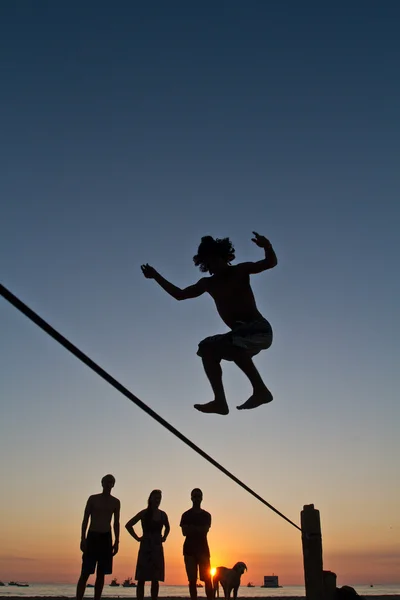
257, 399
219, 408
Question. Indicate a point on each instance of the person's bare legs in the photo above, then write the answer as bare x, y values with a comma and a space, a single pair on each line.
261, 394
209, 589
98, 585
140, 590
193, 590
212, 367
81, 585
211, 358
154, 590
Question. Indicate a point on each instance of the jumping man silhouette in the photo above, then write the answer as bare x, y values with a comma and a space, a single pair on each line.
229, 286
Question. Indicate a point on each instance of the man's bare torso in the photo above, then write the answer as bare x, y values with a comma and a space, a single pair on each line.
101, 510
233, 296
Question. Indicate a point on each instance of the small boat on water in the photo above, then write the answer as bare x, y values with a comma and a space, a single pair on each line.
199, 585
18, 584
250, 584
114, 583
129, 583
90, 585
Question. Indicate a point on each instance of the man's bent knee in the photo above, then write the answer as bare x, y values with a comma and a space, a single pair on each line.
215, 345
214, 350
210, 354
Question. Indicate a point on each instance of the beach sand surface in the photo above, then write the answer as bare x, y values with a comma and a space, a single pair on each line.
272, 597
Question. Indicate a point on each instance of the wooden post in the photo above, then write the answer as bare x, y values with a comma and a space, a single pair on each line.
329, 585
312, 553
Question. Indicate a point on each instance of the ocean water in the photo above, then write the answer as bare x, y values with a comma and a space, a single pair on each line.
178, 591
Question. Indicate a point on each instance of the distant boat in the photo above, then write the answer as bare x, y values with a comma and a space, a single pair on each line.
199, 585
17, 584
114, 583
90, 585
250, 584
129, 583
271, 581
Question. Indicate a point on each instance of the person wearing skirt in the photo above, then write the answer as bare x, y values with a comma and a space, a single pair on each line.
150, 564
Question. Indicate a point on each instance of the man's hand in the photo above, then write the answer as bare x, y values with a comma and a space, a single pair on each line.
260, 240
115, 548
148, 271
83, 545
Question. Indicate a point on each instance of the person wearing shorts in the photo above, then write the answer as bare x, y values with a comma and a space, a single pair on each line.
195, 524
96, 544
98, 553
230, 288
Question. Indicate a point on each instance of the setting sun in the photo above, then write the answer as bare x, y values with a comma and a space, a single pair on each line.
213, 570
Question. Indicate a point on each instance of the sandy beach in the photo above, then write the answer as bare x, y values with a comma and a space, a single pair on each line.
272, 597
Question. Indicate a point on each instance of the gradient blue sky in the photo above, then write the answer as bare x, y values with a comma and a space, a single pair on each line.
128, 131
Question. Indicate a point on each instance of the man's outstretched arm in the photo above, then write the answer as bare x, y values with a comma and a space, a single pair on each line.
193, 291
268, 262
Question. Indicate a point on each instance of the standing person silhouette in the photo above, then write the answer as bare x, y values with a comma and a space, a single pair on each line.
150, 564
195, 524
96, 544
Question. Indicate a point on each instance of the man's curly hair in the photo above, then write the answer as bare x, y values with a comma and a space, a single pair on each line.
210, 247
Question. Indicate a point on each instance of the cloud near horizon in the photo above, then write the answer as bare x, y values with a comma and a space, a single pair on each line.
10, 557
